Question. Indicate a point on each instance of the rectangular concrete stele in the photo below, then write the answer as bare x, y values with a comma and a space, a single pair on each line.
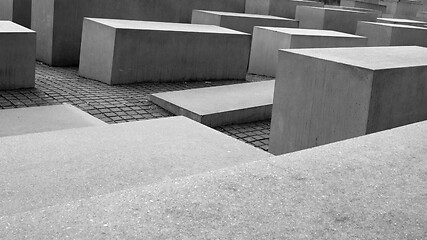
280, 8
402, 21
340, 20
371, 187
266, 41
42, 119
359, 9
59, 22
17, 56
327, 95
18, 11
243, 22
45, 169
403, 9
219, 106
387, 34
121, 51
361, 4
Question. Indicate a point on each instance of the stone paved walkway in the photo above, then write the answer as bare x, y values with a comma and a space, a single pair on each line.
116, 104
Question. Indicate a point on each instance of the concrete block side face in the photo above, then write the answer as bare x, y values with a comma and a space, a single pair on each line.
409, 37
377, 35
200, 17
240, 116
17, 60
258, 6
156, 56
22, 12
317, 102
399, 97
345, 21
97, 51
6, 10
247, 25
326, 42
310, 18
287, 8
42, 22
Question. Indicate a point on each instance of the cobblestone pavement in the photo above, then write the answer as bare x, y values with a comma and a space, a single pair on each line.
117, 104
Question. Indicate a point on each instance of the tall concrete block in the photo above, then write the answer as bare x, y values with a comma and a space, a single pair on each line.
327, 95
122, 51
243, 22
403, 9
362, 4
17, 56
386, 34
18, 11
266, 42
280, 8
58, 23
340, 20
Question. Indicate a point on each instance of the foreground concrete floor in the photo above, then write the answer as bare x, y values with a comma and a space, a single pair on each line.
117, 104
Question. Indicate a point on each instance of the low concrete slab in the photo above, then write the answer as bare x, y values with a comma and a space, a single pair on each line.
372, 187
45, 169
18, 11
219, 106
326, 95
402, 21
280, 8
266, 42
243, 22
18, 56
123, 51
387, 34
336, 19
43, 119
362, 4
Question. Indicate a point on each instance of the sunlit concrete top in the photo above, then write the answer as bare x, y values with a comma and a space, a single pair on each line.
402, 21
373, 58
395, 25
336, 9
311, 32
9, 27
246, 15
163, 26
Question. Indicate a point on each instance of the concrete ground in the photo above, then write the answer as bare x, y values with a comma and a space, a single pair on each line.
122, 103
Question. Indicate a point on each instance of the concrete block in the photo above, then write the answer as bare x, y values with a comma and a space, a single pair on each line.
243, 22
402, 21
327, 95
361, 4
387, 34
122, 51
59, 22
17, 58
266, 42
45, 169
219, 106
340, 20
18, 11
43, 119
403, 9
280, 8
358, 9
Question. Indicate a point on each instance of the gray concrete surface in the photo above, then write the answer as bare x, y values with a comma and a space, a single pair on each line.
388, 34
44, 169
17, 58
266, 42
372, 187
336, 19
403, 9
18, 11
43, 119
362, 4
402, 21
124, 51
280, 8
219, 106
326, 95
59, 22
355, 9
243, 22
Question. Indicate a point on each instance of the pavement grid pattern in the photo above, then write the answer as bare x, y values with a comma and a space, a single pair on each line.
119, 103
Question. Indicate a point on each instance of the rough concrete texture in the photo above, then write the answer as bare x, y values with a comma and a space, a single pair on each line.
219, 106
280, 8
18, 11
43, 119
336, 19
355, 9
45, 169
327, 95
266, 42
372, 187
123, 51
403, 9
59, 22
367, 5
402, 21
17, 58
243, 22
388, 34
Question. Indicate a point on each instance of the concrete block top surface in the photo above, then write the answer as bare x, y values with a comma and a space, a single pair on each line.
402, 21
333, 9
311, 32
244, 15
164, 26
394, 25
11, 27
373, 58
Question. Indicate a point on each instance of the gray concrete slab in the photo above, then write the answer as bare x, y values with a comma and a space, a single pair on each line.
18, 11
243, 22
372, 187
266, 42
362, 4
341, 20
42, 119
123, 51
219, 106
402, 21
355, 9
280, 8
59, 22
17, 58
388, 34
45, 169
403, 9
327, 95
